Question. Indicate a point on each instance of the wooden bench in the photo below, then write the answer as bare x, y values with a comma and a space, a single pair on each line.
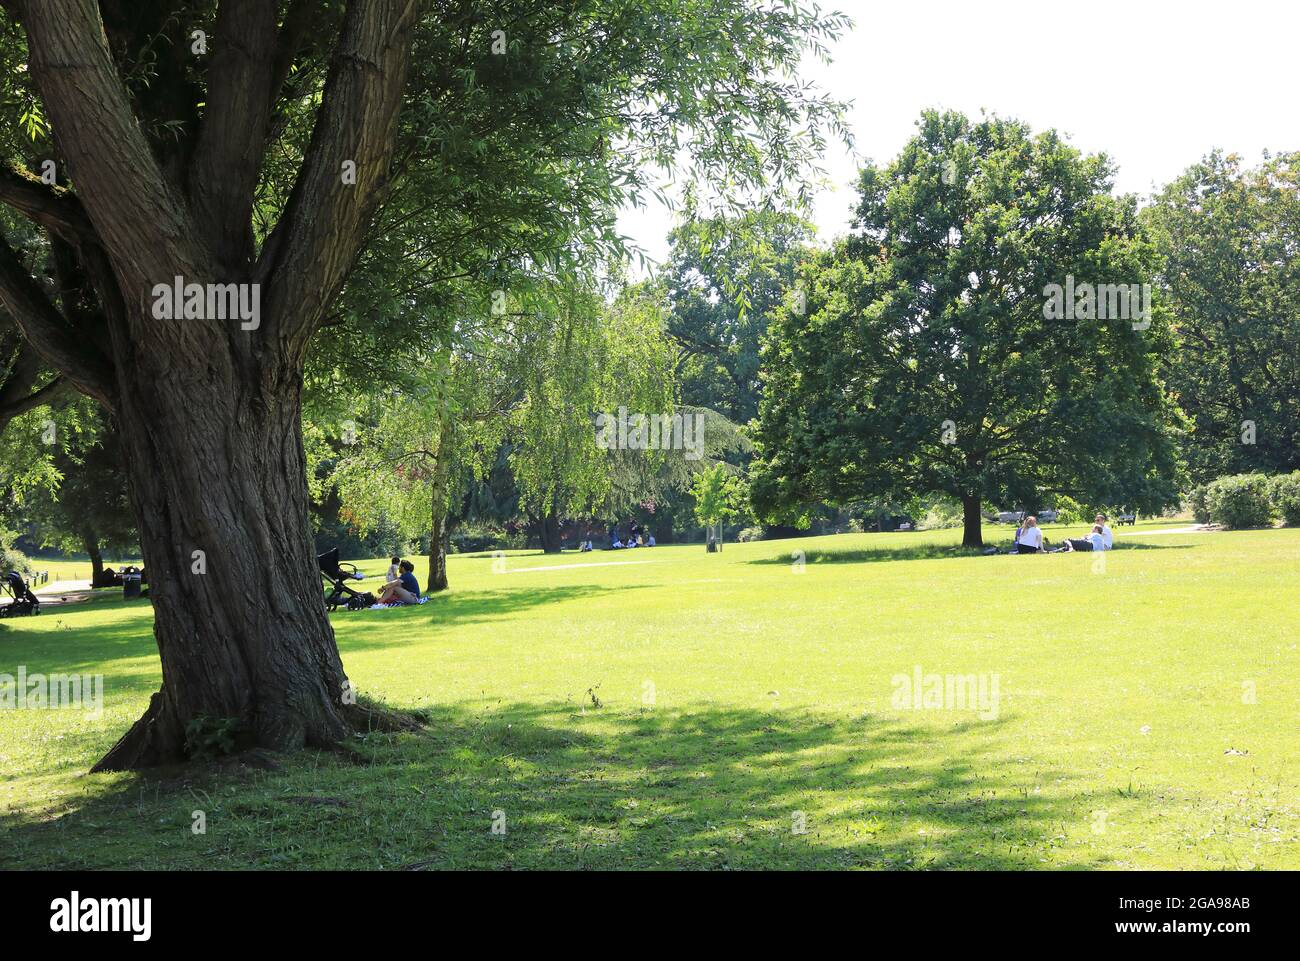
1129, 519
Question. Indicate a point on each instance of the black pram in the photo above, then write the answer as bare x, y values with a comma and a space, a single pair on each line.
334, 574
24, 601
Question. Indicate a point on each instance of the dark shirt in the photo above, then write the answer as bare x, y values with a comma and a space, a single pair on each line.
410, 583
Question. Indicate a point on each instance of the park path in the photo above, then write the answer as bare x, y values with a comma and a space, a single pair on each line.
62, 592
1197, 529
569, 567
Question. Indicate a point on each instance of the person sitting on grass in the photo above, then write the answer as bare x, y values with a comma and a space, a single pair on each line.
394, 569
1030, 540
1107, 535
404, 590
1095, 541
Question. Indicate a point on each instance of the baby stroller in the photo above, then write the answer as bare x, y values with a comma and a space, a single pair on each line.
334, 574
24, 601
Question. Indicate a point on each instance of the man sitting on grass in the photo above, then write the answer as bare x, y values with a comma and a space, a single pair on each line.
404, 590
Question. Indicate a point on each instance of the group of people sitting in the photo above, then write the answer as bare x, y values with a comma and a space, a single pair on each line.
637, 536
1029, 538
400, 587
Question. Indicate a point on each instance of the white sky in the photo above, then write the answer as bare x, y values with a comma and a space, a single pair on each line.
1156, 84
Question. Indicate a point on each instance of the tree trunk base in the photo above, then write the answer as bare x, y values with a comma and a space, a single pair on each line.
155, 740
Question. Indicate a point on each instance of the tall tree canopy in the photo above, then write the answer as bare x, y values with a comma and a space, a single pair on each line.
1229, 237
926, 361
725, 275
245, 146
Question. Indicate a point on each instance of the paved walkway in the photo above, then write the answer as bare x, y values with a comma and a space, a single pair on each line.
62, 592
62, 587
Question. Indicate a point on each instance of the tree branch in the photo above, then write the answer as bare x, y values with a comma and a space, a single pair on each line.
302, 14
48, 333
55, 208
142, 224
16, 394
232, 136
309, 254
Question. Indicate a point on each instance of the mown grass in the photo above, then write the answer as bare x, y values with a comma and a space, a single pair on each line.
676, 709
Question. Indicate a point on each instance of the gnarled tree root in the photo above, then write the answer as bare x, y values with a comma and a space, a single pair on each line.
156, 739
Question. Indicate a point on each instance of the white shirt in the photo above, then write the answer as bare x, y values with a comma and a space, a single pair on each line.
1107, 538
1032, 537
1098, 542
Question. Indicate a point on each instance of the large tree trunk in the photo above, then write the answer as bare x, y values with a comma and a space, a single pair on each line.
217, 477
972, 529
549, 531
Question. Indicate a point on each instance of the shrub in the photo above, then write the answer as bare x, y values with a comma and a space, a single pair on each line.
750, 534
12, 559
1241, 500
1197, 504
1284, 494
1070, 512
942, 515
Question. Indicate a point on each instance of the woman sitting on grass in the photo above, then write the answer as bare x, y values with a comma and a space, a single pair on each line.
1030, 540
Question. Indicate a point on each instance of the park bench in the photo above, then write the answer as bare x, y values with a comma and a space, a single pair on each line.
1129, 519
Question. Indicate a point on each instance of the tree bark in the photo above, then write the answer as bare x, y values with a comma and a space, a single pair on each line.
91, 543
548, 531
241, 629
972, 522
438, 516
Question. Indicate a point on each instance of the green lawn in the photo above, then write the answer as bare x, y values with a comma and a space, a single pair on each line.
681, 709
71, 570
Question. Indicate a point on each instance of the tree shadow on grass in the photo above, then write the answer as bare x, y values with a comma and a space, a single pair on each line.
570, 786
364, 629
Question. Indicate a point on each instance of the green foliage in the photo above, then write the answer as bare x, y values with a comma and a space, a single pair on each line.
1229, 240
208, 738
941, 513
89, 509
1070, 511
516, 165
597, 358
1284, 495
12, 559
927, 361
720, 495
724, 277
1198, 504
1240, 500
